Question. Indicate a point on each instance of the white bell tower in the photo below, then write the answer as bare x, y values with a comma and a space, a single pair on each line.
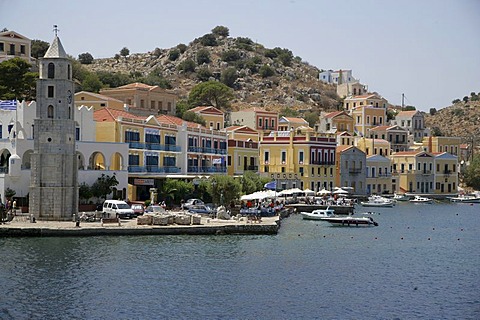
53, 187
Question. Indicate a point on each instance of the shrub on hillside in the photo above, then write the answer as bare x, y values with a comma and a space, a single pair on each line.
230, 55
221, 31
182, 47
173, 54
208, 40
203, 56
85, 58
266, 71
203, 74
229, 76
187, 66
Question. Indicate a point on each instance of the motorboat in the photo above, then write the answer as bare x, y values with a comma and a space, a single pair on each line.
378, 201
419, 199
466, 198
400, 197
350, 221
318, 214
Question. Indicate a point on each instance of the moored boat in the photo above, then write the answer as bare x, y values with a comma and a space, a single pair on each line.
400, 197
378, 201
318, 214
419, 199
350, 221
466, 198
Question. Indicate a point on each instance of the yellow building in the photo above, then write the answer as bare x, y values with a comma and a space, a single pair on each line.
337, 121
372, 99
143, 99
214, 118
379, 175
395, 135
446, 175
298, 158
374, 146
367, 118
243, 149
413, 172
291, 123
14, 45
442, 144
97, 101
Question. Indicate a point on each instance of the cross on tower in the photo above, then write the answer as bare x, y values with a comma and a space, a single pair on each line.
55, 29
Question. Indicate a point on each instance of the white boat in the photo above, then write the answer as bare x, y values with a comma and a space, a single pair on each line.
378, 201
466, 198
419, 199
350, 221
318, 214
400, 197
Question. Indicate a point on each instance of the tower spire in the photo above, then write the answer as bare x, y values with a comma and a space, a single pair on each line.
55, 29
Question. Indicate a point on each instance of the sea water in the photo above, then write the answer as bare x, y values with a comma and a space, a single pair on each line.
421, 262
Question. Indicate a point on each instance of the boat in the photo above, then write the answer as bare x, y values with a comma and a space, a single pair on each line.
400, 197
351, 221
318, 214
466, 198
419, 199
378, 201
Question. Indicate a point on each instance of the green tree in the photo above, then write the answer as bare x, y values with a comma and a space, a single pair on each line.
252, 182
465, 99
16, 80
176, 190
78, 70
266, 71
187, 66
92, 83
433, 111
181, 107
85, 58
409, 108
113, 79
472, 173
436, 132
230, 55
456, 101
229, 76
104, 186
84, 192
312, 118
210, 93
203, 56
221, 31
208, 40
124, 52
39, 48
390, 114
223, 189
182, 47
288, 112
9, 193
155, 78
193, 117
173, 54
203, 74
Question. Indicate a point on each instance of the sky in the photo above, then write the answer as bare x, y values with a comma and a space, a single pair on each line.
428, 50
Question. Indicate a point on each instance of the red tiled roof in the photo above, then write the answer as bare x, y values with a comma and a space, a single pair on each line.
380, 128
407, 113
107, 114
333, 114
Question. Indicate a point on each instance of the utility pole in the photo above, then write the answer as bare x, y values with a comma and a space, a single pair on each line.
403, 100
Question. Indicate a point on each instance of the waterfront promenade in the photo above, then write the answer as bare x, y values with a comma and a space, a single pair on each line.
21, 226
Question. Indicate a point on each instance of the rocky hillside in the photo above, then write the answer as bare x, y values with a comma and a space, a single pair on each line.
459, 120
272, 78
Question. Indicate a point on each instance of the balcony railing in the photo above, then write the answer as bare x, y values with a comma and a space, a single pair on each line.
154, 169
252, 168
207, 169
154, 146
323, 163
354, 170
206, 150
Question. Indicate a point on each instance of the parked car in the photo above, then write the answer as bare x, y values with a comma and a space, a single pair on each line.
155, 209
138, 209
200, 209
117, 208
192, 202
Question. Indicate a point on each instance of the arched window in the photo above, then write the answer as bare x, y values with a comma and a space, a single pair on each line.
69, 74
69, 112
51, 70
50, 112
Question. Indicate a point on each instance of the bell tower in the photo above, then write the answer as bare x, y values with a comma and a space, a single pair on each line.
53, 186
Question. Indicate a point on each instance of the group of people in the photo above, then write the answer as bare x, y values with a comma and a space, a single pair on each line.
263, 207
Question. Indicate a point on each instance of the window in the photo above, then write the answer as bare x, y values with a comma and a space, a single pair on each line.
77, 134
273, 123
51, 71
142, 103
133, 159
69, 71
50, 91
2, 46
266, 156
152, 138
300, 157
229, 160
152, 104
22, 49
131, 136
169, 161
284, 156
260, 122
218, 125
169, 106
50, 112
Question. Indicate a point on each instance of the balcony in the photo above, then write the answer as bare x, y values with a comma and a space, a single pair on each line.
153, 169
323, 163
208, 169
154, 146
354, 170
206, 150
251, 168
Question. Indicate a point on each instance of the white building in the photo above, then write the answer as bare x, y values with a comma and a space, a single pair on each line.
337, 77
16, 138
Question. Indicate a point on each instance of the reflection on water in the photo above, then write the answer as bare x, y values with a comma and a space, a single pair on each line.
421, 262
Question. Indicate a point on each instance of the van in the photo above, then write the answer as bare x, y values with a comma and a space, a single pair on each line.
118, 209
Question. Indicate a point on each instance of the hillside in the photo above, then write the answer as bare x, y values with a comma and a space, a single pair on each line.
459, 120
294, 83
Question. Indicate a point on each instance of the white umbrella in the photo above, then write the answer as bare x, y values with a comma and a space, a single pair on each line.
308, 191
323, 192
340, 191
